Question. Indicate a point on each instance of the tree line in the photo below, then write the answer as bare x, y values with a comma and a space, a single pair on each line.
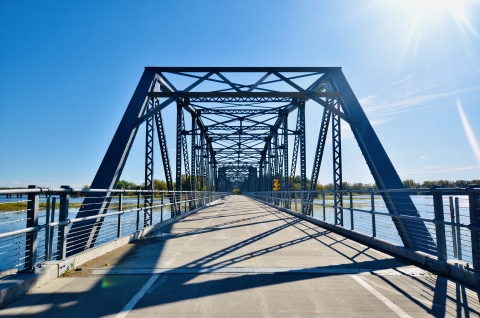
295, 184
410, 183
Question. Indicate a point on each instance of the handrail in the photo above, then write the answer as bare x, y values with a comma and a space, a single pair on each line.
438, 207
194, 198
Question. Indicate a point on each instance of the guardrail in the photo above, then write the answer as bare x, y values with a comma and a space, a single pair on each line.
33, 232
451, 215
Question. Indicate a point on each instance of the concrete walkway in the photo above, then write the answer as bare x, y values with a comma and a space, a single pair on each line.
241, 258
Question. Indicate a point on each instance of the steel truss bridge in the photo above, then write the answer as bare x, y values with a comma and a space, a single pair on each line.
232, 132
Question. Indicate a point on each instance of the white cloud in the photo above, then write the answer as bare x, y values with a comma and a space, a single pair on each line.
439, 169
406, 95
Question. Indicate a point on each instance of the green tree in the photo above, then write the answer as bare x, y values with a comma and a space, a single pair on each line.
159, 185
410, 184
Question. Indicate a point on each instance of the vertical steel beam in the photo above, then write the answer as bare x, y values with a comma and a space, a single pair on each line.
271, 168
260, 176
178, 161
285, 183
293, 166
207, 166
215, 177
186, 162
303, 164
188, 176
193, 177
149, 139
202, 161
337, 167
178, 157
275, 155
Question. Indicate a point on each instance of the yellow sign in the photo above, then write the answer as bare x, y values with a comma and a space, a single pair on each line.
276, 185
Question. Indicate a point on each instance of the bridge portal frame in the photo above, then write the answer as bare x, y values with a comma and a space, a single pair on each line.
330, 90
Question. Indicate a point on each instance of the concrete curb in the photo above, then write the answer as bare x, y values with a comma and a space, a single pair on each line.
453, 269
15, 285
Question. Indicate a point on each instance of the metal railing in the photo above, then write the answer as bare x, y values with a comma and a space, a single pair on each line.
451, 215
35, 222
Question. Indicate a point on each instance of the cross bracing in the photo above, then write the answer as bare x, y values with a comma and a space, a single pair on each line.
232, 130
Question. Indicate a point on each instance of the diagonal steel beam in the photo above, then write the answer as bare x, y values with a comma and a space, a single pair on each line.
317, 162
414, 234
110, 169
264, 77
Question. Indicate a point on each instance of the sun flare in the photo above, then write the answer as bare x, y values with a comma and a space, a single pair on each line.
434, 5
431, 27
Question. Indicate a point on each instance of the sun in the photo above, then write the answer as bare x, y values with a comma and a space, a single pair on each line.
429, 28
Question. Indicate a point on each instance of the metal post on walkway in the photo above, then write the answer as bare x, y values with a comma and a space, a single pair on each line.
351, 211
139, 198
372, 208
439, 224
63, 228
161, 207
31, 241
48, 237
474, 204
459, 237
452, 219
323, 204
119, 217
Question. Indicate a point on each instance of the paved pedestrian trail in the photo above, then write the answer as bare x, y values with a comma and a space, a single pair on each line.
240, 258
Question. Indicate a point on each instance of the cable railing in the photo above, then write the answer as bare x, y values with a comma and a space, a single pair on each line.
44, 224
450, 215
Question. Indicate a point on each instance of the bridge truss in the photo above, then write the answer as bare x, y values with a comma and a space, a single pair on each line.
232, 132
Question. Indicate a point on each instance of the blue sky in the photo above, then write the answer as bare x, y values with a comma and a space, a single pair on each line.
68, 70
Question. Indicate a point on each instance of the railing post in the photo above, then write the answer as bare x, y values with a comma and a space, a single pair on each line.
452, 219
474, 205
63, 228
459, 237
351, 211
372, 208
190, 197
161, 207
439, 224
302, 204
296, 201
139, 199
119, 217
323, 205
31, 241
52, 219
48, 241
151, 209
